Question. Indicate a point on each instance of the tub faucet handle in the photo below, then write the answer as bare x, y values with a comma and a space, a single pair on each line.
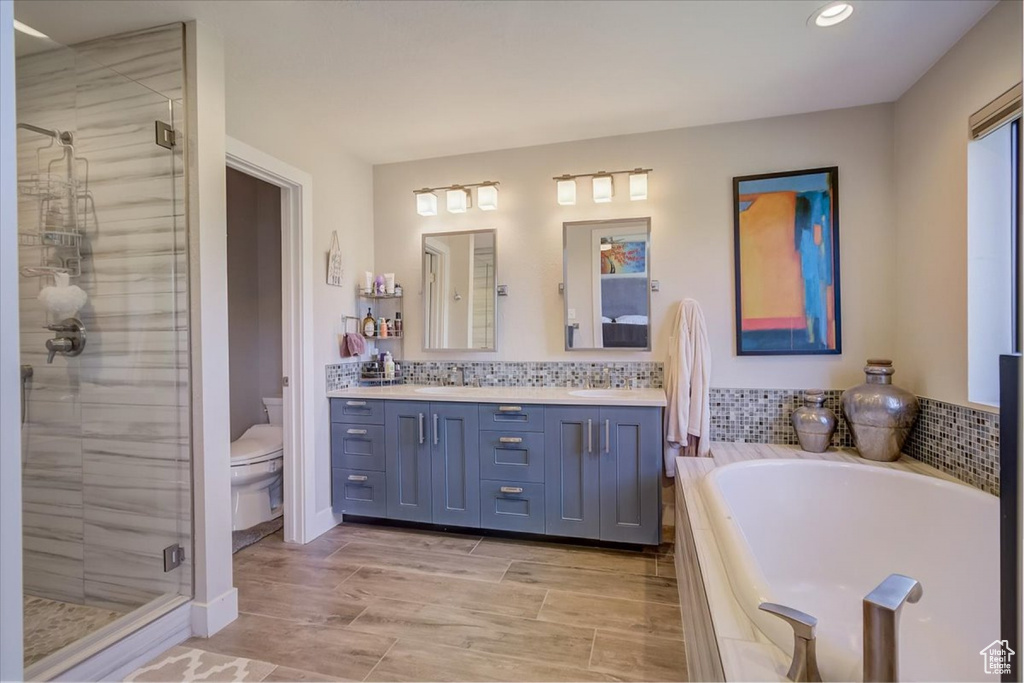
882, 608
805, 660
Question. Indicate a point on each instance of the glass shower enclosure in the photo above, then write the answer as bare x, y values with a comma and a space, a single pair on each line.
104, 341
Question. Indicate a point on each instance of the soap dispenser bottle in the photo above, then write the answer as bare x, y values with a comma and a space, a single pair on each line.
369, 325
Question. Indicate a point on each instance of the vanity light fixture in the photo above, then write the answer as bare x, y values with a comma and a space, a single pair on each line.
566, 191
603, 185
831, 14
426, 202
637, 185
487, 196
458, 198
604, 188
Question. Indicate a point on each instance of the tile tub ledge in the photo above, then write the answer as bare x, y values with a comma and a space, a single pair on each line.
527, 395
727, 646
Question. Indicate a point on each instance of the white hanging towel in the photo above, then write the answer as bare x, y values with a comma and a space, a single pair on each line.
687, 384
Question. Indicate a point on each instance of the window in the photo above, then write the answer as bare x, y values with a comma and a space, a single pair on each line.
993, 232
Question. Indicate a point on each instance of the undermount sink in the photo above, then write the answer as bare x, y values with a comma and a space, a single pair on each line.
444, 390
601, 393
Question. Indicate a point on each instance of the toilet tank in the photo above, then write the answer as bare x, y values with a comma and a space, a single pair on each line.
275, 410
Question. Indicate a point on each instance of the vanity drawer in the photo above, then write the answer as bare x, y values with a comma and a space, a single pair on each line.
512, 416
512, 456
359, 492
512, 506
357, 446
361, 410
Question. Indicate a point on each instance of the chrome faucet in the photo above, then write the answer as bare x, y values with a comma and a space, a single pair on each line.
457, 377
882, 608
605, 381
805, 660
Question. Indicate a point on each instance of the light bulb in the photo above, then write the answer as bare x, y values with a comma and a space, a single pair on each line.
458, 200
603, 189
567, 192
637, 186
487, 197
426, 203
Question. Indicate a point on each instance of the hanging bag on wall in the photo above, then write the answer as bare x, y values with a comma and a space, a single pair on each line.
334, 269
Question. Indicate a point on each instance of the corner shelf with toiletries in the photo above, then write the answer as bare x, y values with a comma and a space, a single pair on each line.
382, 299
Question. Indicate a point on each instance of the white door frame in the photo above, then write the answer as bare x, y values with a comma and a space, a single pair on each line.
297, 335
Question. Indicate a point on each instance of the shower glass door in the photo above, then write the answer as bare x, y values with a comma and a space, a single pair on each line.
104, 341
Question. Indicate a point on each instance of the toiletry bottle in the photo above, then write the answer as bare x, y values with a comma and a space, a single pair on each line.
369, 325
397, 331
389, 283
398, 290
389, 366
382, 327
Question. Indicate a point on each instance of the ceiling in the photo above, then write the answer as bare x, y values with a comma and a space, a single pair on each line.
401, 80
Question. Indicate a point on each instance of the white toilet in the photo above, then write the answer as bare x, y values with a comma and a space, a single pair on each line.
257, 459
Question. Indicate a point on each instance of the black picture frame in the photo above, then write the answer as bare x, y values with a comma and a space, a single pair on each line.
833, 183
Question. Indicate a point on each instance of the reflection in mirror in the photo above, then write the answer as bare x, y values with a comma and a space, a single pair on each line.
459, 296
607, 284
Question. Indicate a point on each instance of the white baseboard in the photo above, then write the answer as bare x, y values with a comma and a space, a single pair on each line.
210, 617
134, 650
324, 521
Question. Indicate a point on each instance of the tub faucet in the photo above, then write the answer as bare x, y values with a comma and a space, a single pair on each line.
805, 659
882, 608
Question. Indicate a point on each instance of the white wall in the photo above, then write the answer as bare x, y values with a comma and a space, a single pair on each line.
931, 207
10, 403
692, 233
342, 201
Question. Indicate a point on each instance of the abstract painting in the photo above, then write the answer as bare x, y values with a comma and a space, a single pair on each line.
787, 263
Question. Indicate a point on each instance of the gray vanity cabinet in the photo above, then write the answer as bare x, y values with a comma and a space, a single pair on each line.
603, 473
630, 457
407, 457
572, 472
455, 463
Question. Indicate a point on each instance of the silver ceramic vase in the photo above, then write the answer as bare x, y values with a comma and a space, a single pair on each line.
879, 413
814, 423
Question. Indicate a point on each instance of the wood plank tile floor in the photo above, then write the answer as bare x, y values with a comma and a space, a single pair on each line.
384, 604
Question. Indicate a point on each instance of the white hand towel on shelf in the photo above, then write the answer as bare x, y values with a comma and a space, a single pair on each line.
687, 384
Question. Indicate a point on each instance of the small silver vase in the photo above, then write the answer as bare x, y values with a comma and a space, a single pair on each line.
879, 413
814, 423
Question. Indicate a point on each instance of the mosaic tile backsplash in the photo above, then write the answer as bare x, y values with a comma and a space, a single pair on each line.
958, 440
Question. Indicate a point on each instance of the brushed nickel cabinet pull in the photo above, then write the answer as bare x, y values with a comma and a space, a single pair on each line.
357, 431
607, 436
422, 429
357, 477
510, 439
356, 404
511, 489
435, 429
590, 436
510, 409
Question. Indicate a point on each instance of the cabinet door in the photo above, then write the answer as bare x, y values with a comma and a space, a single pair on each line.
571, 465
408, 460
630, 456
455, 461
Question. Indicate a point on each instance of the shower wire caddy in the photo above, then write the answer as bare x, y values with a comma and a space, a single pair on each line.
66, 210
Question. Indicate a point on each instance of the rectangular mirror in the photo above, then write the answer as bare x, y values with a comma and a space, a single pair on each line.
607, 284
459, 293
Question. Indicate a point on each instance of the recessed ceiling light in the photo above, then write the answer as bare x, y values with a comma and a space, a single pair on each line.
831, 14
28, 30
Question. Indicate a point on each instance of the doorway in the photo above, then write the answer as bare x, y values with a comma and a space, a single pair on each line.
255, 353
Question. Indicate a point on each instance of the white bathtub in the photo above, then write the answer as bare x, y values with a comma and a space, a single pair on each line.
818, 536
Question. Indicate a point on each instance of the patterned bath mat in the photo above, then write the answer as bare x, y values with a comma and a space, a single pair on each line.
254, 534
51, 625
190, 664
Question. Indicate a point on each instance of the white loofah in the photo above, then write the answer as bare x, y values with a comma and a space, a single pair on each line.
63, 300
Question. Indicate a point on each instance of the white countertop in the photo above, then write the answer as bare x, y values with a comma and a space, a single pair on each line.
528, 395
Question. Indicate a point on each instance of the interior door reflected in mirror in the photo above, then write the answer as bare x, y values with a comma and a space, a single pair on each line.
607, 284
459, 294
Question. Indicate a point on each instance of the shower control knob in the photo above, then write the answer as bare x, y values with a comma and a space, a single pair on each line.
70, 339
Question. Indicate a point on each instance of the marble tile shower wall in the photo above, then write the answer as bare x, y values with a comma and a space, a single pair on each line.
106, 479
955, 439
